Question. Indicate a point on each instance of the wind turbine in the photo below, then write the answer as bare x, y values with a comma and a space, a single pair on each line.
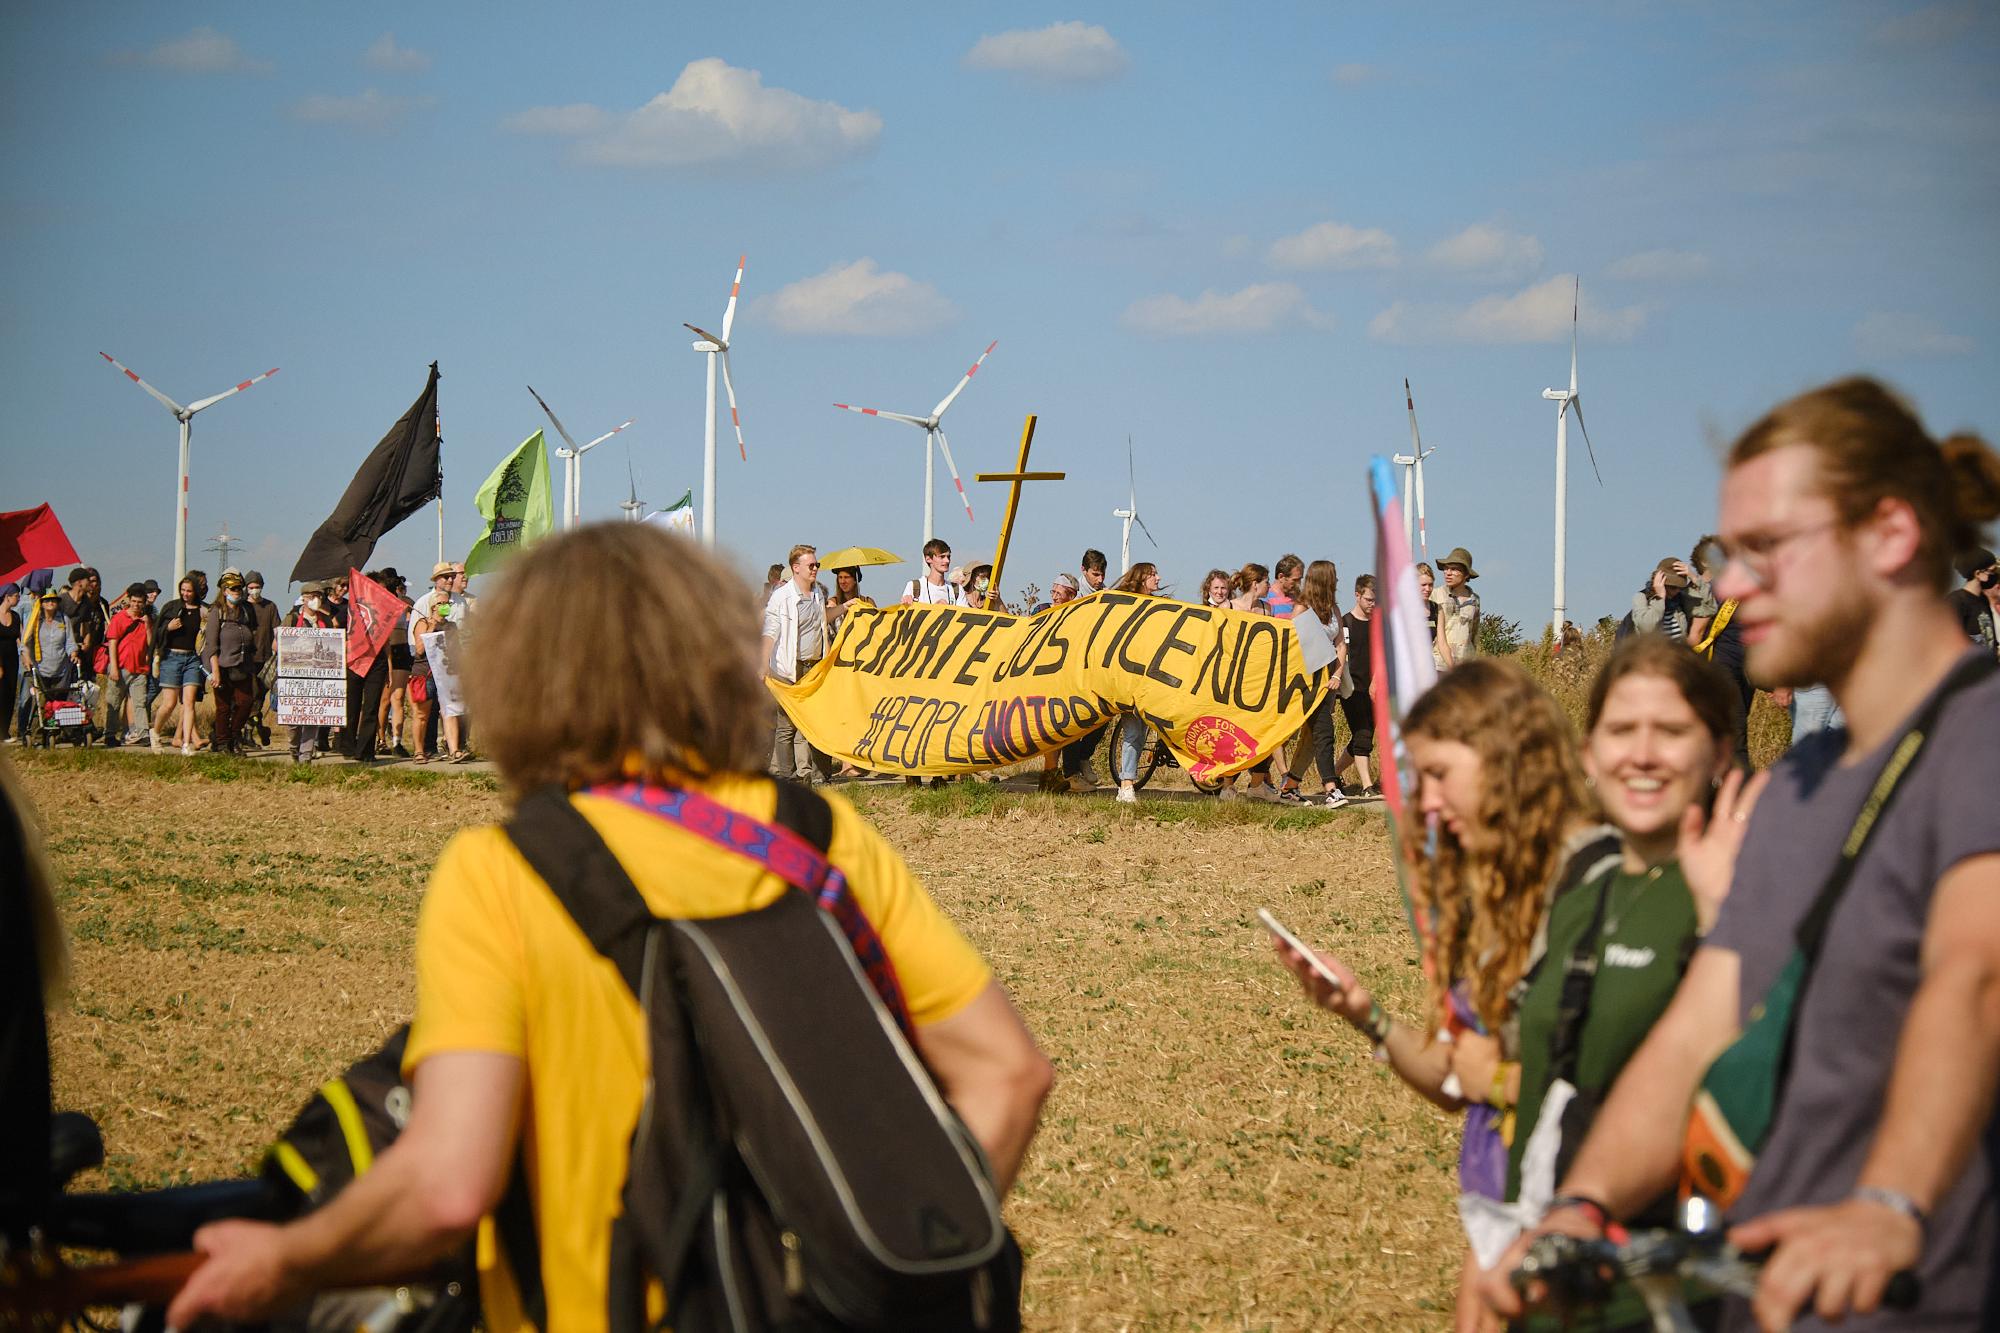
713, 347
1412, 464
934, 431
1568, 401
572, 456
634, 507
184, 415
1130, 513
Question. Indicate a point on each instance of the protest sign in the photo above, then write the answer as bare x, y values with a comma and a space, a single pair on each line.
440, 650
934, 690
311, 686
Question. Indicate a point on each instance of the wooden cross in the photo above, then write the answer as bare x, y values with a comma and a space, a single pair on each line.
1016, 477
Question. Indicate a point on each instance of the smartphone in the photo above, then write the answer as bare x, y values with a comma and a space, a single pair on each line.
1326, 974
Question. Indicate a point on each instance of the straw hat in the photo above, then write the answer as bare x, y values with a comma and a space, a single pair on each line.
1462, 557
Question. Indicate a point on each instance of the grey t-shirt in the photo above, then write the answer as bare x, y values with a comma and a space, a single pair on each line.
1869, 967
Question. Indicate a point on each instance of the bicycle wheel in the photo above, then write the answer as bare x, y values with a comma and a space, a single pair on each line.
1150, 754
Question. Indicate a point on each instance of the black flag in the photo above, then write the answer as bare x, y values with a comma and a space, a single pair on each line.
400, 476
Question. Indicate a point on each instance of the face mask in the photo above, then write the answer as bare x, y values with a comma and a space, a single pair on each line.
312, 603
234, 597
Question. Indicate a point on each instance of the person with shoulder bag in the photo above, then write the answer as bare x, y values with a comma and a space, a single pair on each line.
796, 1095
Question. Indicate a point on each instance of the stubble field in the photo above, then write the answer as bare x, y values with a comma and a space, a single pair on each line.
1216, 1155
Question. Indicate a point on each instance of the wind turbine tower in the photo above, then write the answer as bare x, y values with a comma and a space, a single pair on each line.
184, 415
933, 429
715, 348
1130, 513
634, 507
1567, 401
1412, 464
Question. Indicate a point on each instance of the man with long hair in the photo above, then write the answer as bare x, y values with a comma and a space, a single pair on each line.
527, 1046
1873, 860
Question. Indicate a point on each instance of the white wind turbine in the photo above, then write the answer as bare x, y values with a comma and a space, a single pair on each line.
634, 507
1130, 513
934, 432
1412, 464
572, 456
714, 347
1568, 401
184, 415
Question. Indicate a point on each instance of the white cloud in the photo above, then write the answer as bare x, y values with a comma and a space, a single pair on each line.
715, 115
1070, 52
1484, 248
857, 300
1335, 245
1661, 266
1356, 75
1887, 335
1264, 307
1540, 313
383, 54
371, 109
203, 51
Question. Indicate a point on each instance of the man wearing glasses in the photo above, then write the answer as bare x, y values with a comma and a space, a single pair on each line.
794, 642
1873, 856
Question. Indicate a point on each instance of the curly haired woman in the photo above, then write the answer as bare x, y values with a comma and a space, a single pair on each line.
1499, 776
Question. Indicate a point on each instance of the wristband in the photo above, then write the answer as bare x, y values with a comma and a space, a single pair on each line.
1376, 1026
1599, 1214
1896, 1201
1496, 1095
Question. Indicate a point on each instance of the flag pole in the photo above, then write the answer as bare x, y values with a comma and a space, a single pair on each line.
440, 509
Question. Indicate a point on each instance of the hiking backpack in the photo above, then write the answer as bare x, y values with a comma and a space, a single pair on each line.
794, 1167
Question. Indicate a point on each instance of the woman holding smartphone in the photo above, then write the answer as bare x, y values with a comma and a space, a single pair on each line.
1626, 912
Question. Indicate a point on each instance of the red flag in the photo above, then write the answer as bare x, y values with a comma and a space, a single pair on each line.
372, 612
32, 539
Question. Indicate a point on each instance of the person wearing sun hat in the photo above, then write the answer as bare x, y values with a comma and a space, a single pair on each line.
1664, 604
1458, 614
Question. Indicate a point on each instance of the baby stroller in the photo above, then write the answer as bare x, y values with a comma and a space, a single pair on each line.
59, 708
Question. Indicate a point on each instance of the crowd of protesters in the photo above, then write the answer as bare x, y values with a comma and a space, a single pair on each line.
139, 668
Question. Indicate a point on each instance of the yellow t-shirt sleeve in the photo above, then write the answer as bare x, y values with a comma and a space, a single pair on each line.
939, 970
470, 962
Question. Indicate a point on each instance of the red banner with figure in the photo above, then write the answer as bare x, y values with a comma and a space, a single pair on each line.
372, 613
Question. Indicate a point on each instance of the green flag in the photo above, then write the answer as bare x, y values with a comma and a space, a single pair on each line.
676, 517
517, 503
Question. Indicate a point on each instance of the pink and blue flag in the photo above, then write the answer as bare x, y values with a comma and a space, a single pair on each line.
1403, 668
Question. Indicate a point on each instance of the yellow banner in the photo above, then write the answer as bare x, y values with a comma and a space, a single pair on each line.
939, 690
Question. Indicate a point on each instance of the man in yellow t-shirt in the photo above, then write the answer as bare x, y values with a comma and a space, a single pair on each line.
524, 1034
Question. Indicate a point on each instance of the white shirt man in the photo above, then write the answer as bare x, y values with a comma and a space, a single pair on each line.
934, 589
444, 579
795, 620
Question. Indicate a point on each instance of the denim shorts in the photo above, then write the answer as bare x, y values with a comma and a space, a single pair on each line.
178, 669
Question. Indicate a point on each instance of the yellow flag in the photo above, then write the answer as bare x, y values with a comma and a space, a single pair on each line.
935, 690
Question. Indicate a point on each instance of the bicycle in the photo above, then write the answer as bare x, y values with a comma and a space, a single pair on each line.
1568, 1271
152, 1233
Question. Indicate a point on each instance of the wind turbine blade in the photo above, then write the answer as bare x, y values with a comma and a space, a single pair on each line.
213, 400
938, 411
729, 311
602, 438
1575, 296
886, 416
704, 333
734, 419
1576, 405
169, 403
552, 419
1143, 528
945, 445
1416, 441
1131, 476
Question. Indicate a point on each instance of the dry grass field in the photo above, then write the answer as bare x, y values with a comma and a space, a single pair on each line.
1216, 1155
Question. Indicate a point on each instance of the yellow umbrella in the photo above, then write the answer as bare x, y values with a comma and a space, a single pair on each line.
859, 555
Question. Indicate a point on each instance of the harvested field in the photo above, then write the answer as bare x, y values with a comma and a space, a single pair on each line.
1216, 1155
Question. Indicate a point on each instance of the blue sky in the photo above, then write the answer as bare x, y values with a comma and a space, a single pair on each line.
1228, 233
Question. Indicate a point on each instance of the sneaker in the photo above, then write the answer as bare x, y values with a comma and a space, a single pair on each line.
1371, 793
1080, 784
401, 751
1053, 780
1290, 796
1127, 796
187, 751
1229, 794
154, 738
1334, 800
1262, 791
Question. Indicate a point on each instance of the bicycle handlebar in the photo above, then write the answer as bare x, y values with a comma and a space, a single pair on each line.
1580, 1271
64, 1291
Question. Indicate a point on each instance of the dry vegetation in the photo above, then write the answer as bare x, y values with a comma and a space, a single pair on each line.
1215, 1155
